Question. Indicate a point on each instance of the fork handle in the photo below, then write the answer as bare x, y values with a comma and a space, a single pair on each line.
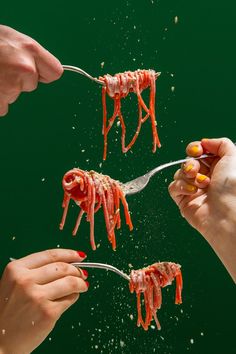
82, 72
101, 266
172, 163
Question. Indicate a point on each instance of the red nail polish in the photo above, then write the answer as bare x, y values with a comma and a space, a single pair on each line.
85, 273
87, 283
82, 254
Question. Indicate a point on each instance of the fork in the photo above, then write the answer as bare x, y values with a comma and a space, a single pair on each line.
82, 72
101, 266
138, 184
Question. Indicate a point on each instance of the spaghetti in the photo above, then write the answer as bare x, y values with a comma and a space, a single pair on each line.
91, 191
118, 87
149, 281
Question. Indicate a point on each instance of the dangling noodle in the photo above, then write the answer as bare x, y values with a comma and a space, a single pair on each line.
149, 281
91, 190
118, 87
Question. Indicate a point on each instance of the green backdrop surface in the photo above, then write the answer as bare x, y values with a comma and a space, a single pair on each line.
58, 127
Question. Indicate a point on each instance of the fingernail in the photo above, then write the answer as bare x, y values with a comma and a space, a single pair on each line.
191, 188
194, 150
85, 273
201, 178
87, 283
188, 167
82, 254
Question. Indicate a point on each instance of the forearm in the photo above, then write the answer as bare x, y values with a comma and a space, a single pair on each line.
5, 350
223, 241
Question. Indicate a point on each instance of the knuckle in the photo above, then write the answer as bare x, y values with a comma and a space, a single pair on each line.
48, 313
62, 267
74, 298
24, 66
11, 89
66, 252
15, 276
226, 141
13, 98
22, 281
30, 45
73, 284
28, 68
70, 253
35, 85
171, 186
177, 174
52, 255
30, 86
10, 270
36, 298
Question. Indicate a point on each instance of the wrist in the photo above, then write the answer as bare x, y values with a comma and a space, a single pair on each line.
222, 238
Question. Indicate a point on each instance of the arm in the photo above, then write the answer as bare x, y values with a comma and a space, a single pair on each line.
206, 196
34, 292
23, 63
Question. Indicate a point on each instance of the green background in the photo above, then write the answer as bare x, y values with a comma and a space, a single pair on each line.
58, 126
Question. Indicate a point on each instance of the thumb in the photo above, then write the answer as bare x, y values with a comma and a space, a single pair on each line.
219, 147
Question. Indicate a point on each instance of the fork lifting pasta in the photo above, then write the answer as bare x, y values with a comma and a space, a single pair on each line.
149, 281
91, 190
118, 87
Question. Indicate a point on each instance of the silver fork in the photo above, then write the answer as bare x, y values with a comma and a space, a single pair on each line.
101, 266
82, 72
138, 184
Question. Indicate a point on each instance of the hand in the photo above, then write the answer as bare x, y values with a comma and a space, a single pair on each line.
206, 196
34, 292
23, 63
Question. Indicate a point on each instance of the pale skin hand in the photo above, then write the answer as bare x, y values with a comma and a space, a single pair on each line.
34, 292
23, 63
206, 196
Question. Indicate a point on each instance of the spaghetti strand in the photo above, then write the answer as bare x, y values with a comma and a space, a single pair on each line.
91, 191
118, 87
149, 281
